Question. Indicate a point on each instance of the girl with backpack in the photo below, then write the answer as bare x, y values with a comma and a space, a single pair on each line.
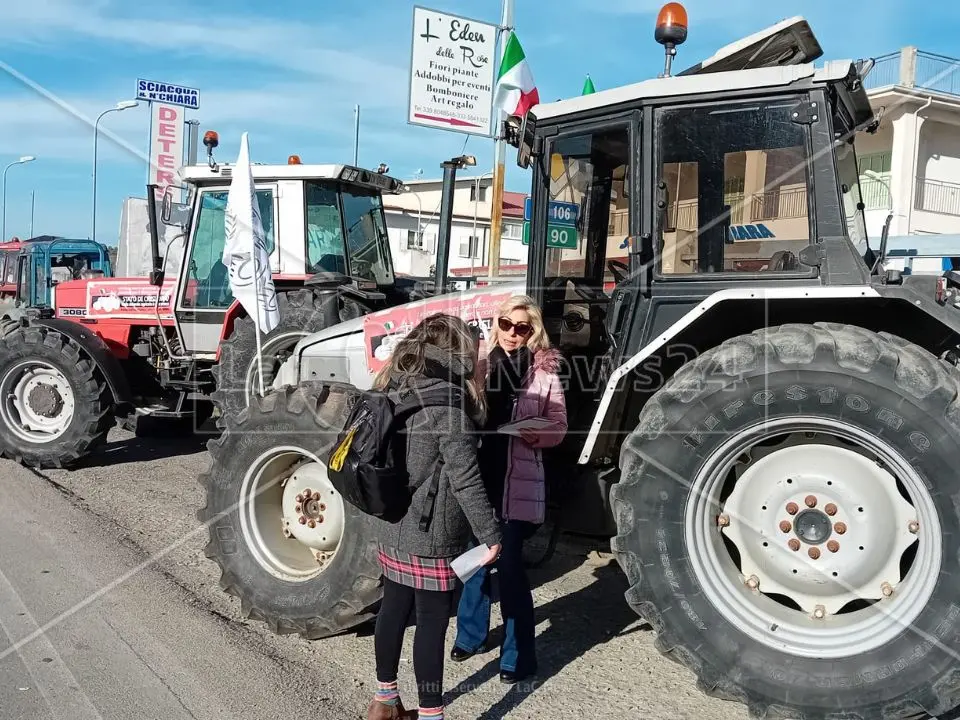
440, 353
522, 382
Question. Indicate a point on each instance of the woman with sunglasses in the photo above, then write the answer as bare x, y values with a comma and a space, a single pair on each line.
522, 382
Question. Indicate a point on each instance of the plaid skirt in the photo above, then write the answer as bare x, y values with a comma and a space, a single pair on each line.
420, 573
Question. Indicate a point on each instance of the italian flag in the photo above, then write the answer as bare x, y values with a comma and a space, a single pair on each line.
516, 92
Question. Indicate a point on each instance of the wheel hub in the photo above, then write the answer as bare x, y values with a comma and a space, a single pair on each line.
813, 527
44, 400
312, 511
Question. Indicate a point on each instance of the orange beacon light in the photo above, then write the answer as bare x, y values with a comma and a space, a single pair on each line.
671, 31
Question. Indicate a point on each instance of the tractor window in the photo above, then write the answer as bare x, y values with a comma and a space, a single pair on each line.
324, 229
734, 187
852, 200
10, 268
208, 282
367, 241
588, 218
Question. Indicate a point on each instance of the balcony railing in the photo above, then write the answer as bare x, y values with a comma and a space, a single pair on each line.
780, 204
913, 68
875, 194
937, 196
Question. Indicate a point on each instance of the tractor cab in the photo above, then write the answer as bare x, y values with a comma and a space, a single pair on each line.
650, 198
324, 224
45, 262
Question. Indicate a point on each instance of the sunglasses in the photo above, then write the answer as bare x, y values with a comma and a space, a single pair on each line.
522, 329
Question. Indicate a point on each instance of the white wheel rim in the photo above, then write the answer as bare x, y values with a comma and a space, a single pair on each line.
762, 595
37, 401
290, 538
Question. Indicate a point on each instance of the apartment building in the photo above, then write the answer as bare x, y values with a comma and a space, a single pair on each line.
413, 223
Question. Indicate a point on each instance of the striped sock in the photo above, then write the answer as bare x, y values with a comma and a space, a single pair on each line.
431, 713
387, 693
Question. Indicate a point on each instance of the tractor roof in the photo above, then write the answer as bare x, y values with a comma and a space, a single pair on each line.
204, 174
775, 57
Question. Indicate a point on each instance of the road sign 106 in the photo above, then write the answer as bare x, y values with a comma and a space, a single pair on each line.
558, 213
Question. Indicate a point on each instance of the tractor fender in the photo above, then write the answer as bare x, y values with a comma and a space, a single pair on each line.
98, 351
604, 417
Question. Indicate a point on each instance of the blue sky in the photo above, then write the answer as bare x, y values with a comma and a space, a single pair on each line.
290, 72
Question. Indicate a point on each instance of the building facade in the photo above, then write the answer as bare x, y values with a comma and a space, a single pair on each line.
413, 223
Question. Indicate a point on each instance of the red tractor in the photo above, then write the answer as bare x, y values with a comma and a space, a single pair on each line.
177, 344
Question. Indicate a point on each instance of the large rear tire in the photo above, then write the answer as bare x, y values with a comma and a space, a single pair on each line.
307, 567
787, 521
302, 312
55, 406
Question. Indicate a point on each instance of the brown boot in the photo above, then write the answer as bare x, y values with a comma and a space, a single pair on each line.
382, 711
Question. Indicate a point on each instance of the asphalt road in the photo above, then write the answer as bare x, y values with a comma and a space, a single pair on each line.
108, 609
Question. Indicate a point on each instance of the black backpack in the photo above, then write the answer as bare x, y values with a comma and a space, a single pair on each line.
367, 464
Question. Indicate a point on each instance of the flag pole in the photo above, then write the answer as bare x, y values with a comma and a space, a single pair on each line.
255, 254
500, 154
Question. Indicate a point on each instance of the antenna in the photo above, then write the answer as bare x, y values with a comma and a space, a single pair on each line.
671, 31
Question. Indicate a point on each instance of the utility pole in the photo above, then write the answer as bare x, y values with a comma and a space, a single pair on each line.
356, 136
32, 207
500, 154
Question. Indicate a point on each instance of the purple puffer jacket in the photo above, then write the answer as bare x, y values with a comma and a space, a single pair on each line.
541, 396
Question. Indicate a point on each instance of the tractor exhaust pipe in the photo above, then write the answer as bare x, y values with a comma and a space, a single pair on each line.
156, 274
450, 168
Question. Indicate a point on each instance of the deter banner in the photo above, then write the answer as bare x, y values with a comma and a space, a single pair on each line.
166, 146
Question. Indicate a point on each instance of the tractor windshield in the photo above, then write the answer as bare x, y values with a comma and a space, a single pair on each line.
356, 213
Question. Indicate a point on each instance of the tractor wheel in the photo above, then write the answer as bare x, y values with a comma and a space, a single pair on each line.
788, 522
301, 566
302, 312
55, 407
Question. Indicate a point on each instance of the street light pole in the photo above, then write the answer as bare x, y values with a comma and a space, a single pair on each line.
476, 199
122, 105
3, 221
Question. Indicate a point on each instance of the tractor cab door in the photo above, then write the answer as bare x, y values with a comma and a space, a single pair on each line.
582, 217
203, 291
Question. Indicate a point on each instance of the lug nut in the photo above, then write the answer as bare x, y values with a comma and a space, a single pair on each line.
298, 508
320, 519
306, 494
723, 521
913, 526
316, 494
810, 501
820, 612
840, 527
833, 545
753, 582
814, 553
323, 507
312, 524
785, 526
793, 544
792, 508
886, 589
302, 520
300, 498
830, 509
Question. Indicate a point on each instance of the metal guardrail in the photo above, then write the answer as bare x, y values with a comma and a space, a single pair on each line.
920, 70
885, 72
875, 194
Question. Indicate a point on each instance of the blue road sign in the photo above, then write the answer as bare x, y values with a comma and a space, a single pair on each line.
559, 213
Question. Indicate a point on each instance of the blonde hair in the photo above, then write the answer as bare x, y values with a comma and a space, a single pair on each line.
538, 339
454, 338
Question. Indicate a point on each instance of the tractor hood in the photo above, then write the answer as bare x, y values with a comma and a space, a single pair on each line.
790, 42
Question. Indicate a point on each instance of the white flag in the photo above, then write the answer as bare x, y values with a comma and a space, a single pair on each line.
245, 250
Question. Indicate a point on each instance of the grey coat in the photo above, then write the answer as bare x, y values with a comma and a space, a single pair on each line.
461, 507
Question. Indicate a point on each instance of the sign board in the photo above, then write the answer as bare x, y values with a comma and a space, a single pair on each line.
451, 73
560, 213
750, 232
166, 145
129, 299
563, 237
168, 94
383, 330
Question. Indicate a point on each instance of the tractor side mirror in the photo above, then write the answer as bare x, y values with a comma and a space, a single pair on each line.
166, 207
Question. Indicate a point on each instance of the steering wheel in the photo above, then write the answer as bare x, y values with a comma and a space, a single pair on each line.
620, 270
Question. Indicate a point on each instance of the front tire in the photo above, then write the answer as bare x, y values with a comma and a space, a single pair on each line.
850, 438
55, 406
237, 374
301, 567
